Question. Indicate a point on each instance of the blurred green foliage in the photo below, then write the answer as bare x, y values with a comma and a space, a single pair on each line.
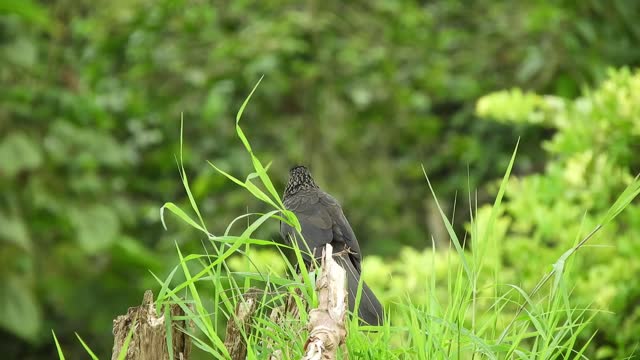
92, 93
593, 156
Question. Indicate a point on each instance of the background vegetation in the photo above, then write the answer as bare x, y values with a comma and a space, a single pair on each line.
92, 94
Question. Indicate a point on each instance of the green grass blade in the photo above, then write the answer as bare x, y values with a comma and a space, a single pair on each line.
163, 289
168, 329
198, 301
241, 135
123, 351
55, 339
181, 214
627, 196
229, 176
450, 231
86, 347
183, 177
503, 187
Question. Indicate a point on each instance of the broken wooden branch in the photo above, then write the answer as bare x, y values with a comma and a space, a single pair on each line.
241, 323
149, 340
327, 322
279, 316
327, 330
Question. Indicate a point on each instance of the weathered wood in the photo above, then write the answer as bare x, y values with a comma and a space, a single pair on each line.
327, 331
149, 341
327, 322
241, 323
280, 314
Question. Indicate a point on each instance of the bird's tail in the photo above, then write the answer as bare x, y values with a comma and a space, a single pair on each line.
370, 310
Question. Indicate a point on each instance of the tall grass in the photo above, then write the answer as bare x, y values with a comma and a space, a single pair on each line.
543, 324
479, 318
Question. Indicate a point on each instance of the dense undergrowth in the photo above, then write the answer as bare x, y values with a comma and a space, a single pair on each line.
498, 292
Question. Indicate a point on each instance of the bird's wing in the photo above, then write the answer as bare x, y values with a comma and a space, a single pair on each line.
341, 229
315, 221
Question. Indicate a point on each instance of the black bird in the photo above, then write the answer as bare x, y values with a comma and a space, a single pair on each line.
323, 222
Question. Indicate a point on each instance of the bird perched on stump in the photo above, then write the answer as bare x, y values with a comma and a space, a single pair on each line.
323, 222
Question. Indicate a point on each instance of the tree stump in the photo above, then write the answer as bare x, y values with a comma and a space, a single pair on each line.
149, 340
279, 316
240, 323
327, 322
327, 330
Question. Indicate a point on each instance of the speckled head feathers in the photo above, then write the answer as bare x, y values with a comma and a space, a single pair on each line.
299, 178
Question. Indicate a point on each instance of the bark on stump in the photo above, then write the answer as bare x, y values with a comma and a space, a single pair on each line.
327, 331
149, 340
279, 316
241, 323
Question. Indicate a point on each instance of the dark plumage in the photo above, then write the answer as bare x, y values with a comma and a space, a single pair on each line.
323, 222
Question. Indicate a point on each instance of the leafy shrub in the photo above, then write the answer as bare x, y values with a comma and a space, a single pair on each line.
593, 154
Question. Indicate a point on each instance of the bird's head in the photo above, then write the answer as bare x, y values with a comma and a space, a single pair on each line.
299, 178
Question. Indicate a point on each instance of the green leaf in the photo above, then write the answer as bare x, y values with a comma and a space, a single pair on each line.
16, 146
97, 227
19, 308
13, 230
27, 9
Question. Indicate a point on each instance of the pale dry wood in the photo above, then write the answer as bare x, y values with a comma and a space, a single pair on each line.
327, 322
149, 341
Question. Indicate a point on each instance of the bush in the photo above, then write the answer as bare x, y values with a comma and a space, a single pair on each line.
593, 154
